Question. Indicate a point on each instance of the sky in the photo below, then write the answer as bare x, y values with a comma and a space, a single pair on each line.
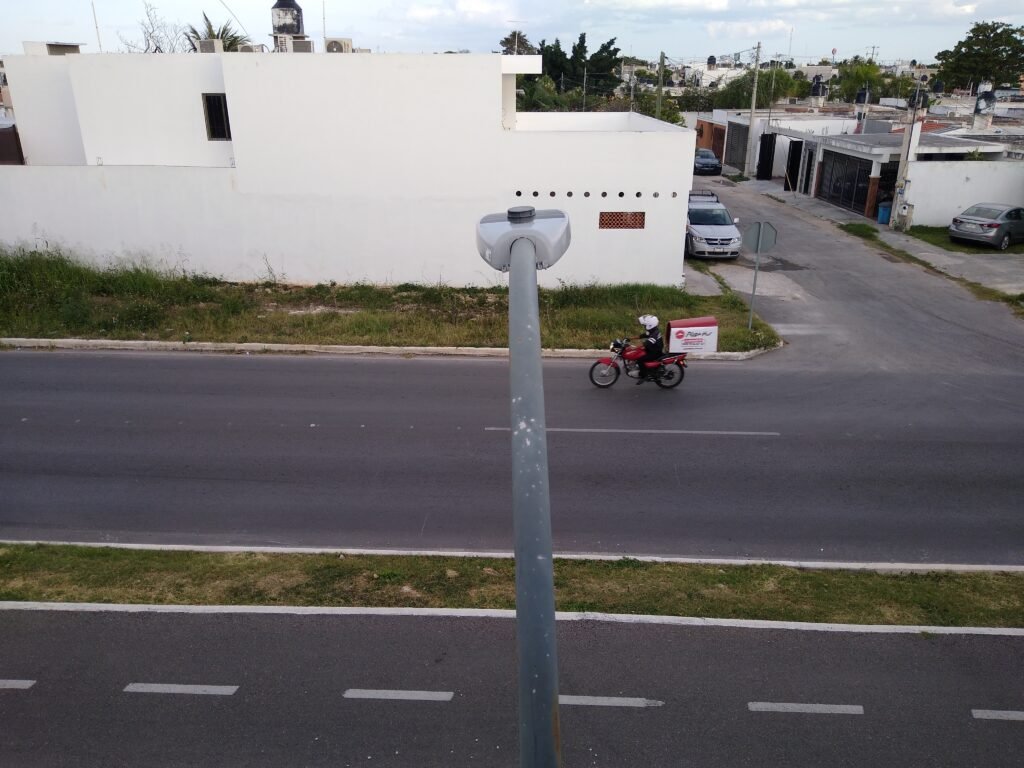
683, 29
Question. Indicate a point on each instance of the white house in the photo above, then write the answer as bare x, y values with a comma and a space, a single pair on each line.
322, 167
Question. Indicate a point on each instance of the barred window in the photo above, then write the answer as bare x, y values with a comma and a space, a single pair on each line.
621, 220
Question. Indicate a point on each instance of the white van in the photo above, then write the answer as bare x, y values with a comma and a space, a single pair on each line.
711, 231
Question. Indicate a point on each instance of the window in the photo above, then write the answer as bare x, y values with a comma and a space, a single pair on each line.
218, 127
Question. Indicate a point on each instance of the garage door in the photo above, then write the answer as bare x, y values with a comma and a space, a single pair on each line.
844, 180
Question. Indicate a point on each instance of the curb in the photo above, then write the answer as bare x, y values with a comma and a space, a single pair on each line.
325, 349
506, 614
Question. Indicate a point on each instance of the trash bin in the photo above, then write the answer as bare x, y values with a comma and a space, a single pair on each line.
884, 212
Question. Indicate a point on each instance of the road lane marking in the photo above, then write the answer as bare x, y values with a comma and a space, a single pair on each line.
398, 695
718, 432
608, 701
16, 685
811, 709
195, 690
996, 714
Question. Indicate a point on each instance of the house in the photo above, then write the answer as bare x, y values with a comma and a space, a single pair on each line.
314, 167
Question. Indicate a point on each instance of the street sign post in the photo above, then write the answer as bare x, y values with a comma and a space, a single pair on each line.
764, 235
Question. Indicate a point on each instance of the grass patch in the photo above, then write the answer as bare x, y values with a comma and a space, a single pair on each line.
983, 292
737, 177
940, 236
48, 295
85, 574
776, 198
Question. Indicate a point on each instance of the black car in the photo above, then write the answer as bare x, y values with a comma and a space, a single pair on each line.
706, 163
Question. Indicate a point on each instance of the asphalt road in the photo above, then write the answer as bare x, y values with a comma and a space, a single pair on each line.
890, 428
89, 689
406, 454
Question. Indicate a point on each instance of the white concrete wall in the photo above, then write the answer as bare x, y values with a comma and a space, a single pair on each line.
147, 109
347, 181
940, 190
196, 219
46, 114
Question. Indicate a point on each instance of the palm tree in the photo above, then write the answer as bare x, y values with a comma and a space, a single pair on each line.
225, 32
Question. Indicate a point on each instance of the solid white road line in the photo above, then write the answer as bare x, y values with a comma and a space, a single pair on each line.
996, 714
16, 685
500, 613
195, 690
725, 433
608, 701
398, 695
811, 709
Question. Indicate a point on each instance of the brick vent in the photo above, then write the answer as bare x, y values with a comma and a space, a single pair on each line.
622, 220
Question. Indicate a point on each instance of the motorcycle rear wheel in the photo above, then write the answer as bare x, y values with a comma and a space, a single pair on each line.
672, 376
603, 375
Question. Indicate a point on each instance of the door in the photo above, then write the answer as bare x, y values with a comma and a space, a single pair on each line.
766, 156
796, 150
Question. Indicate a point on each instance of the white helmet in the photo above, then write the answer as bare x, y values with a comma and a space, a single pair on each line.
650, 322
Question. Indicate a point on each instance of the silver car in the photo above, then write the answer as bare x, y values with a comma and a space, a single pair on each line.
993, 224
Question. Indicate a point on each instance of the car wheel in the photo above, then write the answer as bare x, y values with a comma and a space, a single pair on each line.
1005, 242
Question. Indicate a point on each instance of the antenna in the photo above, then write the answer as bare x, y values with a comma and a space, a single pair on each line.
240, 24
97, 25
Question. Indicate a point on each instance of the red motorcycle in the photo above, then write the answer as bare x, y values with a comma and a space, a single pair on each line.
666, 372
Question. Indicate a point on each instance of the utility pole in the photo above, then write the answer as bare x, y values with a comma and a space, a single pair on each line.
584, 87
96, 23
749, 169
661, 81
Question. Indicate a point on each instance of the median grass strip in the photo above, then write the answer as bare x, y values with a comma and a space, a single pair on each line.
47, 295
983, 292
100, 575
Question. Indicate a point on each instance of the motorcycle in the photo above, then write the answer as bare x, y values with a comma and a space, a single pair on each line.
667, 372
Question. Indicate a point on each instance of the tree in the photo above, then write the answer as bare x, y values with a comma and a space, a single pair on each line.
517, 43
569, 70
646, 103
857, 74
736, 95
158, 35
696, 100
992, 51
225, 32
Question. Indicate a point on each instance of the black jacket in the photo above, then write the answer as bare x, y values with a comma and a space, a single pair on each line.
654, 344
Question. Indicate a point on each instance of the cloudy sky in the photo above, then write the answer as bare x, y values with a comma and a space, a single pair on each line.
684, 29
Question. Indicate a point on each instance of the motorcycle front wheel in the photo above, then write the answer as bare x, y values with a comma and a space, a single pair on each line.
603, 375
672, 376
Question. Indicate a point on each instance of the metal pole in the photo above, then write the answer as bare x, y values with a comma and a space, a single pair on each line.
539, 737
757, 268
749, 168
661, 80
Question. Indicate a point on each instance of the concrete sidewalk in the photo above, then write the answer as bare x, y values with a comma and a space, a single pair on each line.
998, 270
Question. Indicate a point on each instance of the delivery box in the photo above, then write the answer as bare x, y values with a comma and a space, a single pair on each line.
697, 334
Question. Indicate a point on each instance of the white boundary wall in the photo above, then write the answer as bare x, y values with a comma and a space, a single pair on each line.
940, 190
340, 179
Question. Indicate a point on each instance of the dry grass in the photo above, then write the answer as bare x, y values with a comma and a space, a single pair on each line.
81, 574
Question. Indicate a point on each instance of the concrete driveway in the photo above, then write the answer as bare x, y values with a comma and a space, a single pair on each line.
840, 302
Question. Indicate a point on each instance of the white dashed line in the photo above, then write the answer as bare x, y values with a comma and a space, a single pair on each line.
996, 714
16, 685
724, 433
608, 701
398, 695
810, 709
195, 690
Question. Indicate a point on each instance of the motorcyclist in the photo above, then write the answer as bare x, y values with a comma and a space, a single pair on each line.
654, 344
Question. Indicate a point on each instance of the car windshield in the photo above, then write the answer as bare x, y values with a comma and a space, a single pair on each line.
706, 154
710, 216
982, 212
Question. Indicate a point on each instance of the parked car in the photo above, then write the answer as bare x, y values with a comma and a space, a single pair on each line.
711, 231
994, 224
706, 163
